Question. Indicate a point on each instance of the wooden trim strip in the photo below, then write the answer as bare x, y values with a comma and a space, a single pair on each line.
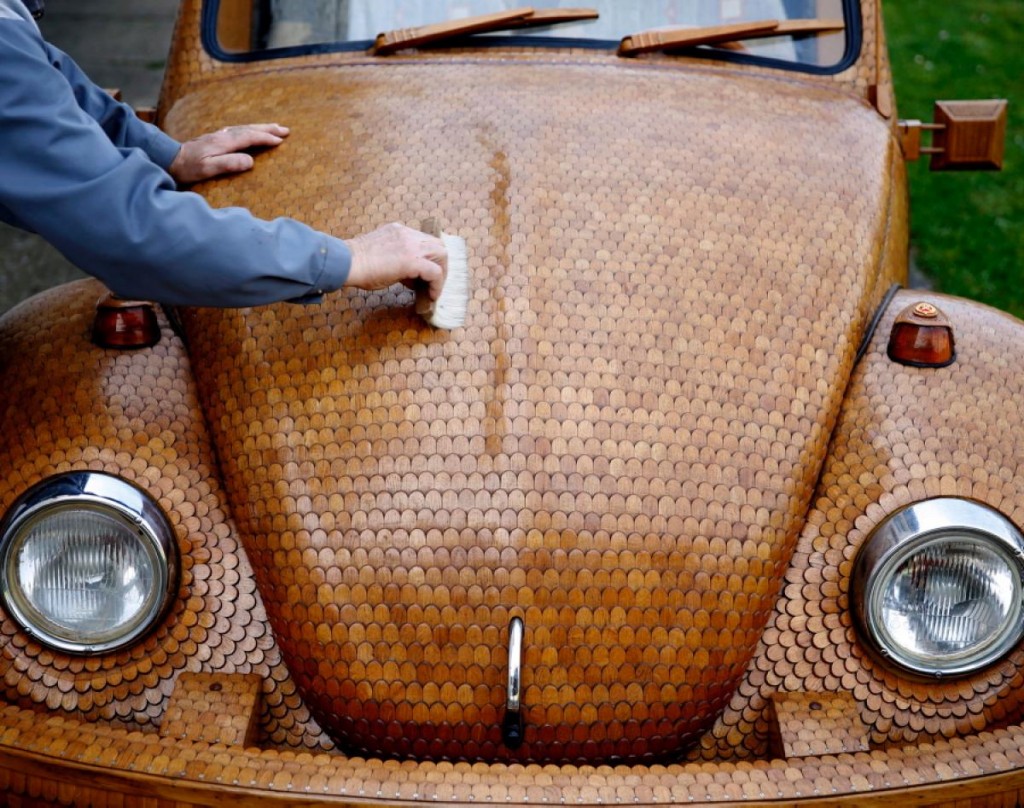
725, 35
553, 16
649, 41
90, 762
401, 38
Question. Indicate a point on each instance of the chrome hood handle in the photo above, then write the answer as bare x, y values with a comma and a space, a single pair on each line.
513, 726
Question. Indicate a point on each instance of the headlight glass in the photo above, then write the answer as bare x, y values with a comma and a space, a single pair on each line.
88, 561
939, 587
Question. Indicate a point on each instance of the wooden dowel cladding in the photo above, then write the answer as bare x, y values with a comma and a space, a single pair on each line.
569, 459
653, 446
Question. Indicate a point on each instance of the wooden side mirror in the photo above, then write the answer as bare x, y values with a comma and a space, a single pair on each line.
966, 136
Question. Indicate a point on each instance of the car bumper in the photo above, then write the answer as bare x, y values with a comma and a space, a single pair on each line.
69, 762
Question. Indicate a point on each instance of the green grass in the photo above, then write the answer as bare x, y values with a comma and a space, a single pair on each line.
967, 229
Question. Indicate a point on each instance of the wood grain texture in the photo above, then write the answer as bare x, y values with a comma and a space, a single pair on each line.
189, 66
815, 724
906, 434
359, 511
49, 760
221, 708
400, 38
618, 447
69, 405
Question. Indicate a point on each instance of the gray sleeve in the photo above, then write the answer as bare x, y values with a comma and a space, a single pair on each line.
117, 215
117, 120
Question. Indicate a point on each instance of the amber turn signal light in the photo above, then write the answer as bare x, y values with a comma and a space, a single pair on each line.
125, 324
922, 337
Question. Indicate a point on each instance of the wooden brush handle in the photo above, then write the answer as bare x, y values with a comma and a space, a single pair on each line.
431, 226
424, 305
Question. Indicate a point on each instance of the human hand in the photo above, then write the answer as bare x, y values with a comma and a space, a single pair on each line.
395, 253
222, 152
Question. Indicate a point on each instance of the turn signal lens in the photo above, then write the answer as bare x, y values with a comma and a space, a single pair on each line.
125, 324
922, 337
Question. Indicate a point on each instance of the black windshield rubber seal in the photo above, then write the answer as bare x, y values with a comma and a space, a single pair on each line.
851, 11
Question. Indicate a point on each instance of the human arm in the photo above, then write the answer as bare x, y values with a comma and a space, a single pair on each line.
117, 120
118, 216
221, 152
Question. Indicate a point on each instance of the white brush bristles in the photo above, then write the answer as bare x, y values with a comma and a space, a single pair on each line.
449, 310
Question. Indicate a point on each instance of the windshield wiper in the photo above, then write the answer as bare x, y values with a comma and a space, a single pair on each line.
526, 17
672, 39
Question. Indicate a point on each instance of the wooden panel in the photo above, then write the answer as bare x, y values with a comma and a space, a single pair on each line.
906, 434
45, 761
620, 444
133, 414
235, 24
815, 724
214, 707
190, 66
972, 135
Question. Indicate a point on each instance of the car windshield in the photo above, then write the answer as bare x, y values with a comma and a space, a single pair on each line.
269, 28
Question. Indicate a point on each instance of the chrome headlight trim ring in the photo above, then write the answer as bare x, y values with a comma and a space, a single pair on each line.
100, 497
912, 533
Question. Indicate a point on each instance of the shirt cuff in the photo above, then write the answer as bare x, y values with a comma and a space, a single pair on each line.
162, 148
337, 260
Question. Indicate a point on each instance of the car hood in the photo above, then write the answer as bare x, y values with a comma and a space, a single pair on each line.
670, 272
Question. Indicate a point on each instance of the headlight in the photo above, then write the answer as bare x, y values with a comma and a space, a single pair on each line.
938, 587
89, 562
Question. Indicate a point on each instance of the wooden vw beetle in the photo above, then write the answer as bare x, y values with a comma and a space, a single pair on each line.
697, 507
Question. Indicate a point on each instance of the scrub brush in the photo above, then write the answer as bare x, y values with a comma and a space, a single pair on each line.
449, 310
